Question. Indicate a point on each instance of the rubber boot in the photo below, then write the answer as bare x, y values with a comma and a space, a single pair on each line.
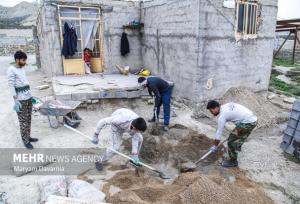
28, 146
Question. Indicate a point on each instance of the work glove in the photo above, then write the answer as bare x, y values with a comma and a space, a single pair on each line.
135, 159
214, 149
95, 139
17, 106
35, 100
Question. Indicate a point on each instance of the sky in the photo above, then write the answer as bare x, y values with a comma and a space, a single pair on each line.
287, 9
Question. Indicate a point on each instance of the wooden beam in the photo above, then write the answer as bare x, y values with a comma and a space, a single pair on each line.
285, 30
287, 26
288, 21
294, 49
282, 45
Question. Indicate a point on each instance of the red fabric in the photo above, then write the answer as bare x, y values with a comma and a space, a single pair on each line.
87, 57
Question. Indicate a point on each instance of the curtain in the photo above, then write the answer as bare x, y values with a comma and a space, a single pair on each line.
89, 30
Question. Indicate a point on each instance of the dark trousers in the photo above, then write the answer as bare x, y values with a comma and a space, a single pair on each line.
166, 102
24, 117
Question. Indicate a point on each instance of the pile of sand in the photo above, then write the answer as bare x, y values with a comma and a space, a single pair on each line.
187, 188
268, 114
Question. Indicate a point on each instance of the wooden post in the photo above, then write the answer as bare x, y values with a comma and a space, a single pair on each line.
282, 45
295, 43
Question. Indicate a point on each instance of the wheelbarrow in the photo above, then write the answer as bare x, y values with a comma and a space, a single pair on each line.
55, 110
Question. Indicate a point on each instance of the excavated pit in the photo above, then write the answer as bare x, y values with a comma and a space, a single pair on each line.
176, 149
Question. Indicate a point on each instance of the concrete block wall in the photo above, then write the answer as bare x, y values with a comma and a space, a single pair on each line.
49, 40
191, 42
170, 42
246, 63
122, 13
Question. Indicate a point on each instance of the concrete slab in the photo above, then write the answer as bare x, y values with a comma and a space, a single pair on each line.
96, 86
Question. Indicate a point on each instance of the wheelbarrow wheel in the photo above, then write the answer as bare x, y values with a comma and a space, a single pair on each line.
72, 119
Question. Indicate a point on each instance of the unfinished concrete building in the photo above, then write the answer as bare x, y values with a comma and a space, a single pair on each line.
204, 46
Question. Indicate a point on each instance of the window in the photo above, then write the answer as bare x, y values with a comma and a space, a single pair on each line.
247, 19
79, 17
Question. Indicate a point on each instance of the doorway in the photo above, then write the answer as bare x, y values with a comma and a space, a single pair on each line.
86, 21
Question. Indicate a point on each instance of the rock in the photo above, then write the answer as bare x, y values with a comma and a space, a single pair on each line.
187, 166
113, 190
231, 179
280, 70
286, 79
95, 101
293, 72
150, 101
271, 96
42, 87
290, 100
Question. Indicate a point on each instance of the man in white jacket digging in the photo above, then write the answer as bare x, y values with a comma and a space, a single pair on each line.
121, 121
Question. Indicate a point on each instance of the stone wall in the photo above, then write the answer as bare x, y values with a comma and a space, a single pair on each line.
12, 40
192, 42
122, 13
9, 50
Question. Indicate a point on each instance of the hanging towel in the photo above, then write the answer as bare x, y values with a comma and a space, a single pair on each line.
124, 45
70, 41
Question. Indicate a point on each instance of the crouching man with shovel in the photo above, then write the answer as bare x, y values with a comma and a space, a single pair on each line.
245, 121
121, 121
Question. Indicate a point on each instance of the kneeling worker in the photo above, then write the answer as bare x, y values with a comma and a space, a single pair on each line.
121, 121
245, 121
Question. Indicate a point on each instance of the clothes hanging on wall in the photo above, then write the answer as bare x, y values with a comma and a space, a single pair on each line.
124, 45
70, 41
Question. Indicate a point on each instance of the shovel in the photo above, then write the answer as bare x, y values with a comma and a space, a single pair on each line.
209, 153
161, 174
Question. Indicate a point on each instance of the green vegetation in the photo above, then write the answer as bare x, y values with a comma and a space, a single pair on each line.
291, 158
284, 63
289, 89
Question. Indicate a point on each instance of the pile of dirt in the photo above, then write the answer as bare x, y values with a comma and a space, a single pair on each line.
267, 113
187, 188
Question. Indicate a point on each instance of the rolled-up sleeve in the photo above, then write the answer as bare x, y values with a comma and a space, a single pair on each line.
11, 78
221, 126
137, 141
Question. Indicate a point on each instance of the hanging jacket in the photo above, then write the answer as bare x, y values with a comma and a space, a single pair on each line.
124, 45
70, 41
